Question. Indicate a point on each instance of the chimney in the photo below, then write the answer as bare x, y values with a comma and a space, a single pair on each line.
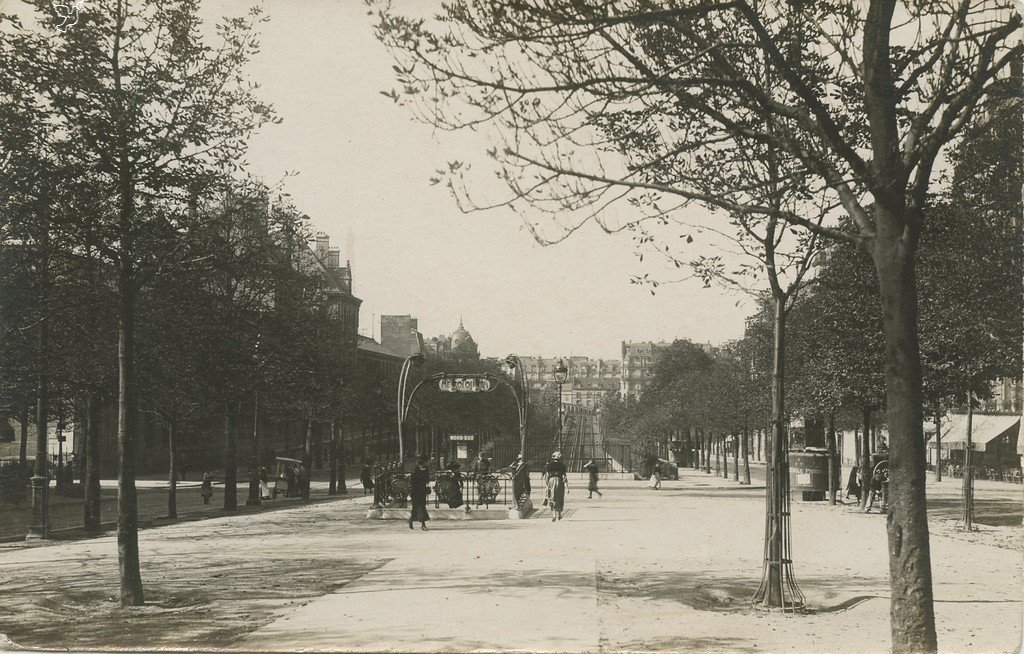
322, 242
333, 258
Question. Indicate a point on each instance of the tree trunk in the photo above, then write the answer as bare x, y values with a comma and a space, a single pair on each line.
724, 446
340, 461
307, 444
938, 443
718, 453
865, 460
40, 522
127, 415
745, 447
912, 612
706, 440
777, 583
778, 453
80, 447
92, 464
230, 458
254, 455
736, 456
332, 452
23, 448
318, 459
695, 440
830, 451
172, 475
307, 455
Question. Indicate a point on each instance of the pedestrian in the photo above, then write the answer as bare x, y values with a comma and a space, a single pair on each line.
879, 486
852, 485
264, 483
555, 477
207, 488
591, 468
419, 482
656, 477
482, 467
289, 479
520, 480
302, 479
455, 490
366, 477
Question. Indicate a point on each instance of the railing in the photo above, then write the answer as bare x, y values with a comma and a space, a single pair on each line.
449, 489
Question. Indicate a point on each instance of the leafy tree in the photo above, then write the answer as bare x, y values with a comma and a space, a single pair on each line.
858, 115
147, 111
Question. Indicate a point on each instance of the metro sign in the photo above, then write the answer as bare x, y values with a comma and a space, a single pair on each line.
465, 384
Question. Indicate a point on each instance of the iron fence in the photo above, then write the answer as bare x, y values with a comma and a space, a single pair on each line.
452, 489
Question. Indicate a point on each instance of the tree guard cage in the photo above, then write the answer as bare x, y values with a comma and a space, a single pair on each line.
778, 587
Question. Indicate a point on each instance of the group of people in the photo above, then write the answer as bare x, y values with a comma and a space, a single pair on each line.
296, 481
557, 483
294, 477
878, 486
555, 480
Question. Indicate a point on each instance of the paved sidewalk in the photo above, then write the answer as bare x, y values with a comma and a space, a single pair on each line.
636, 570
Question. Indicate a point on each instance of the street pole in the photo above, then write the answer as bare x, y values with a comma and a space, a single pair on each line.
968, 479
561, 374
522, 398
403, 378
559, 416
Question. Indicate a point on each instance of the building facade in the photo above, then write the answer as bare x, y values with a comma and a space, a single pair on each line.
638, 361
459, 344
400, 335
588, 381
342, 304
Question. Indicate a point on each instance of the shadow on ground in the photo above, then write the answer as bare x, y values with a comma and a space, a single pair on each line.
992, 511
725, 594
211, 609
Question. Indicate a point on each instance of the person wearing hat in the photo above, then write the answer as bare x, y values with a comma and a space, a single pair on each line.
520, 480
591, 468
419, 481
555, 477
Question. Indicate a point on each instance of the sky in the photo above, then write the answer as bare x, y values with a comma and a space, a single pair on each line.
363, 167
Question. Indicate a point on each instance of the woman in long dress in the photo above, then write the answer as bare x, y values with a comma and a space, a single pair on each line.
592, 470
419, 481
555, 475
366, 477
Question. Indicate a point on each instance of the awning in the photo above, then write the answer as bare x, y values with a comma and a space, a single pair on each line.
984, 428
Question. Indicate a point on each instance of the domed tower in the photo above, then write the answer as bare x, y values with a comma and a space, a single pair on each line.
463, 343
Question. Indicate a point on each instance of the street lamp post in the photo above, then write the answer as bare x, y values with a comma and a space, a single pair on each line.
403, 405
561, 372
519, 373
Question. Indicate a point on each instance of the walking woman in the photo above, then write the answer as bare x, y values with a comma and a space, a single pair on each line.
591, 468
366, 477
419, 480
555, 476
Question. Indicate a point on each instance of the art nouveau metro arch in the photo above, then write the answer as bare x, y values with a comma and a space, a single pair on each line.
461, 383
